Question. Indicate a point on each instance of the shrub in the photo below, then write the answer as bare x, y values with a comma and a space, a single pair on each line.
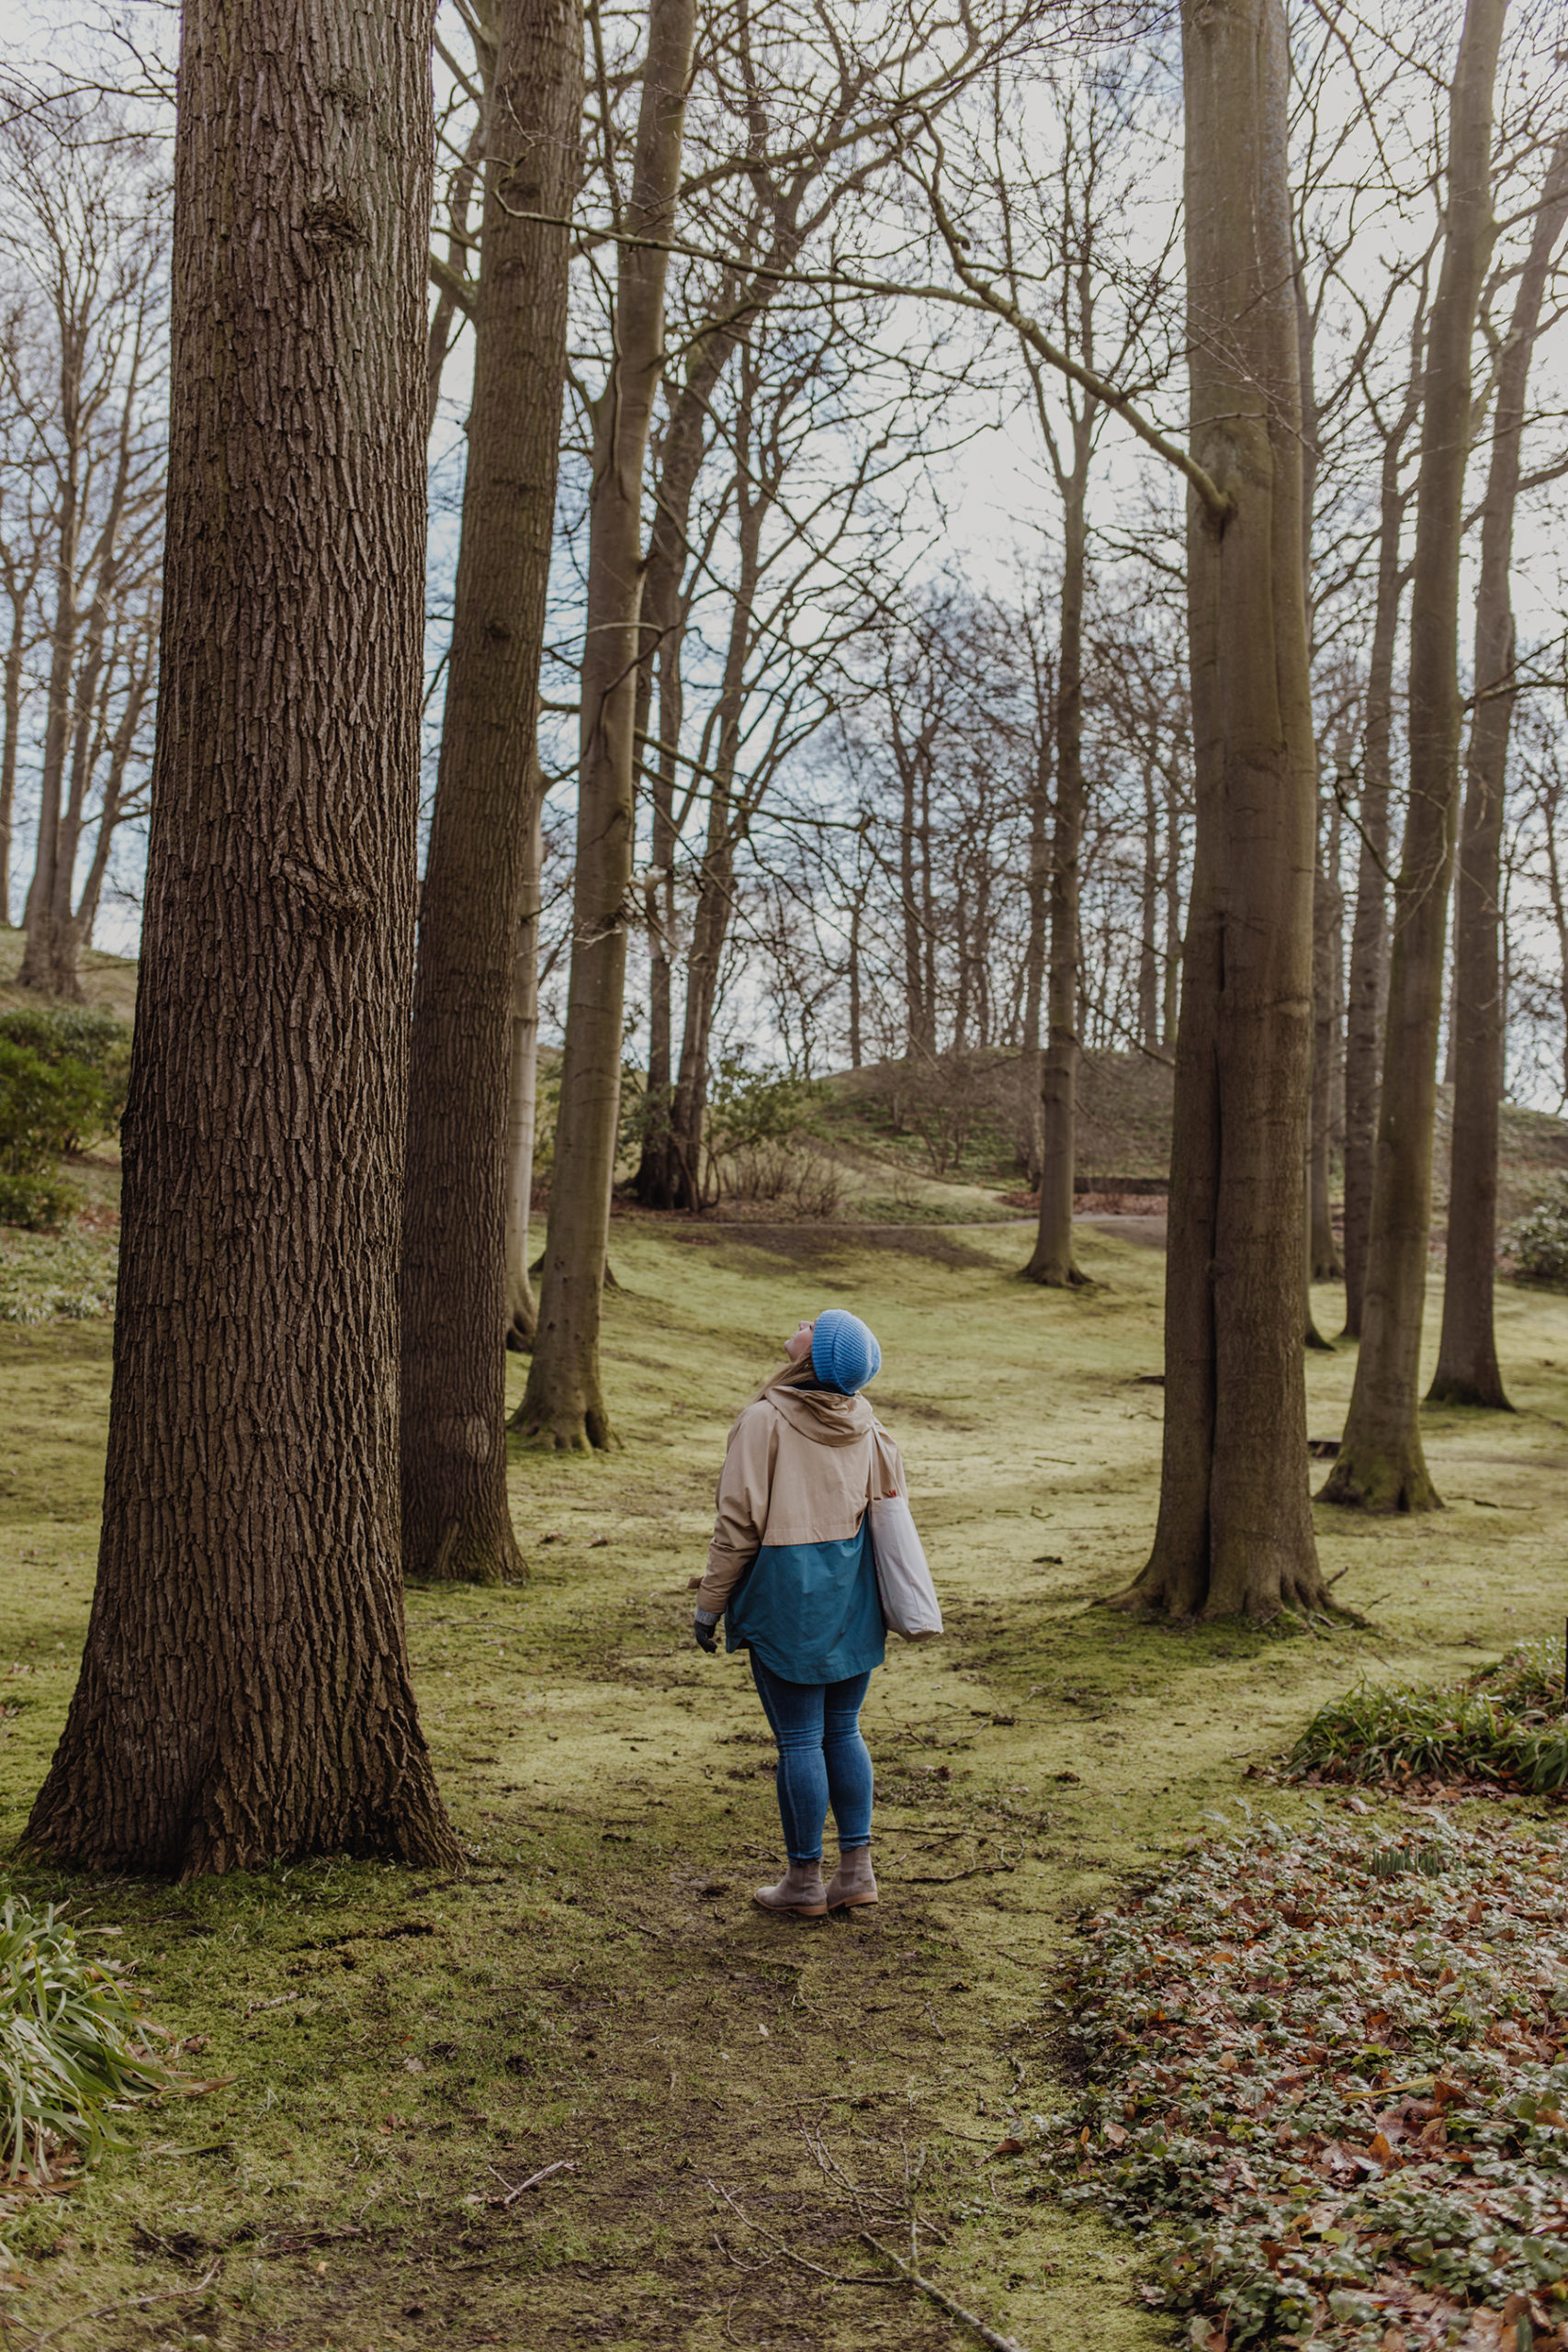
72, 2043
37, 1203
46, 1108
755, 1122
1538, 1241
57, 1034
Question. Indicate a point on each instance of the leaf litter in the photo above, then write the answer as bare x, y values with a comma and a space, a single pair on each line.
1336, 2064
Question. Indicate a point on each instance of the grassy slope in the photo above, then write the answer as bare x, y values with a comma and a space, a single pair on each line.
108, 982
587, 1993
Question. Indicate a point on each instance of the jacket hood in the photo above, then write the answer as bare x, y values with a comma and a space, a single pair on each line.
821, 1414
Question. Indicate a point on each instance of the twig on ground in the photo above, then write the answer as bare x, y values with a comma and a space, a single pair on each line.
834, 2278
562, 2164
981, 1870
955, 2311
112, 2311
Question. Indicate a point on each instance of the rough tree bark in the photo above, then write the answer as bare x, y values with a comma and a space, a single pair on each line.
244, 1692
457, 1522
1379, 1465
564, 1403
522, 1091
1235, 1533
1051, 1263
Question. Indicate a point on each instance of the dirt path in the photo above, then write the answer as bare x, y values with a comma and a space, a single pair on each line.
719, 2102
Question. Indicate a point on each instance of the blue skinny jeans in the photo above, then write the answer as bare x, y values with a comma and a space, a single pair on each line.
823, 1760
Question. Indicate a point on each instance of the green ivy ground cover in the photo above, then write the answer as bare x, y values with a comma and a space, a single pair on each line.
1335, 2062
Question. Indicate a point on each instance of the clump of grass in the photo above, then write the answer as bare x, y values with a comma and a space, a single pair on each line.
73, 2044
1506, 1725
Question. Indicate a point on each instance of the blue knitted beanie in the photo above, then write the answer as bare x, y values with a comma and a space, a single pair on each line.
844, 1354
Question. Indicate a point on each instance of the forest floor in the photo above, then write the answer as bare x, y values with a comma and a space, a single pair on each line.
715, 2100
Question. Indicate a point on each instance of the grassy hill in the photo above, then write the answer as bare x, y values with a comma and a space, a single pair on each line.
108, 982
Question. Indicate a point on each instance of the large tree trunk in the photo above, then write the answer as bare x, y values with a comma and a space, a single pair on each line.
1467, 1370
457, 1522
523, 1093
1234, 1532
1379, 1465
1051, 1262
564, 1403
244, 1692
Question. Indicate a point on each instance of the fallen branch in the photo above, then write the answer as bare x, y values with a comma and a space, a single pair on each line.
955, 2311
112, 2311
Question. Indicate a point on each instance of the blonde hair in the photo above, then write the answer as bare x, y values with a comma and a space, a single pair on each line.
791, 1374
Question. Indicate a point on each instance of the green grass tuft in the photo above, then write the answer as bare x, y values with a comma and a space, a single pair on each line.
1506, 1725
72, 2043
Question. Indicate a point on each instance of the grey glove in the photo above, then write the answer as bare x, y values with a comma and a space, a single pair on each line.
704, 1625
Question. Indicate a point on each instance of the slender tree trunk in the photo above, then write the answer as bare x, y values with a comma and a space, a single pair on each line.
680, 455
1170, 991
1031, 1075
456, 1520
1379, 1465
857, 1046
1468, 1372
88, 689
11, 732
1148, 912
920, 1013
564, 1405
1367, 1001
244, 1692
1051, 1262
715, 884
39, 958
112, 812
1327, 915
444, 321
663, 636
1234, 1532
522, 1091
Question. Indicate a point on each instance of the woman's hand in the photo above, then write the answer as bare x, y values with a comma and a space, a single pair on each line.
705, 1624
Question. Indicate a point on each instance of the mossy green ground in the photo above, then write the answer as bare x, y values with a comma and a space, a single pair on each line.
600, 1992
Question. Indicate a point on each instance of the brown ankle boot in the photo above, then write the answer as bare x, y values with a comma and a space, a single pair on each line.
799, 1890
854, 1881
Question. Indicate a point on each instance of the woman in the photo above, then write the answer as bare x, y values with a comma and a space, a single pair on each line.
791, 1571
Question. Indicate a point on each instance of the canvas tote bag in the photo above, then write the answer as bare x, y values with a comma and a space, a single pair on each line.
909, 1599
